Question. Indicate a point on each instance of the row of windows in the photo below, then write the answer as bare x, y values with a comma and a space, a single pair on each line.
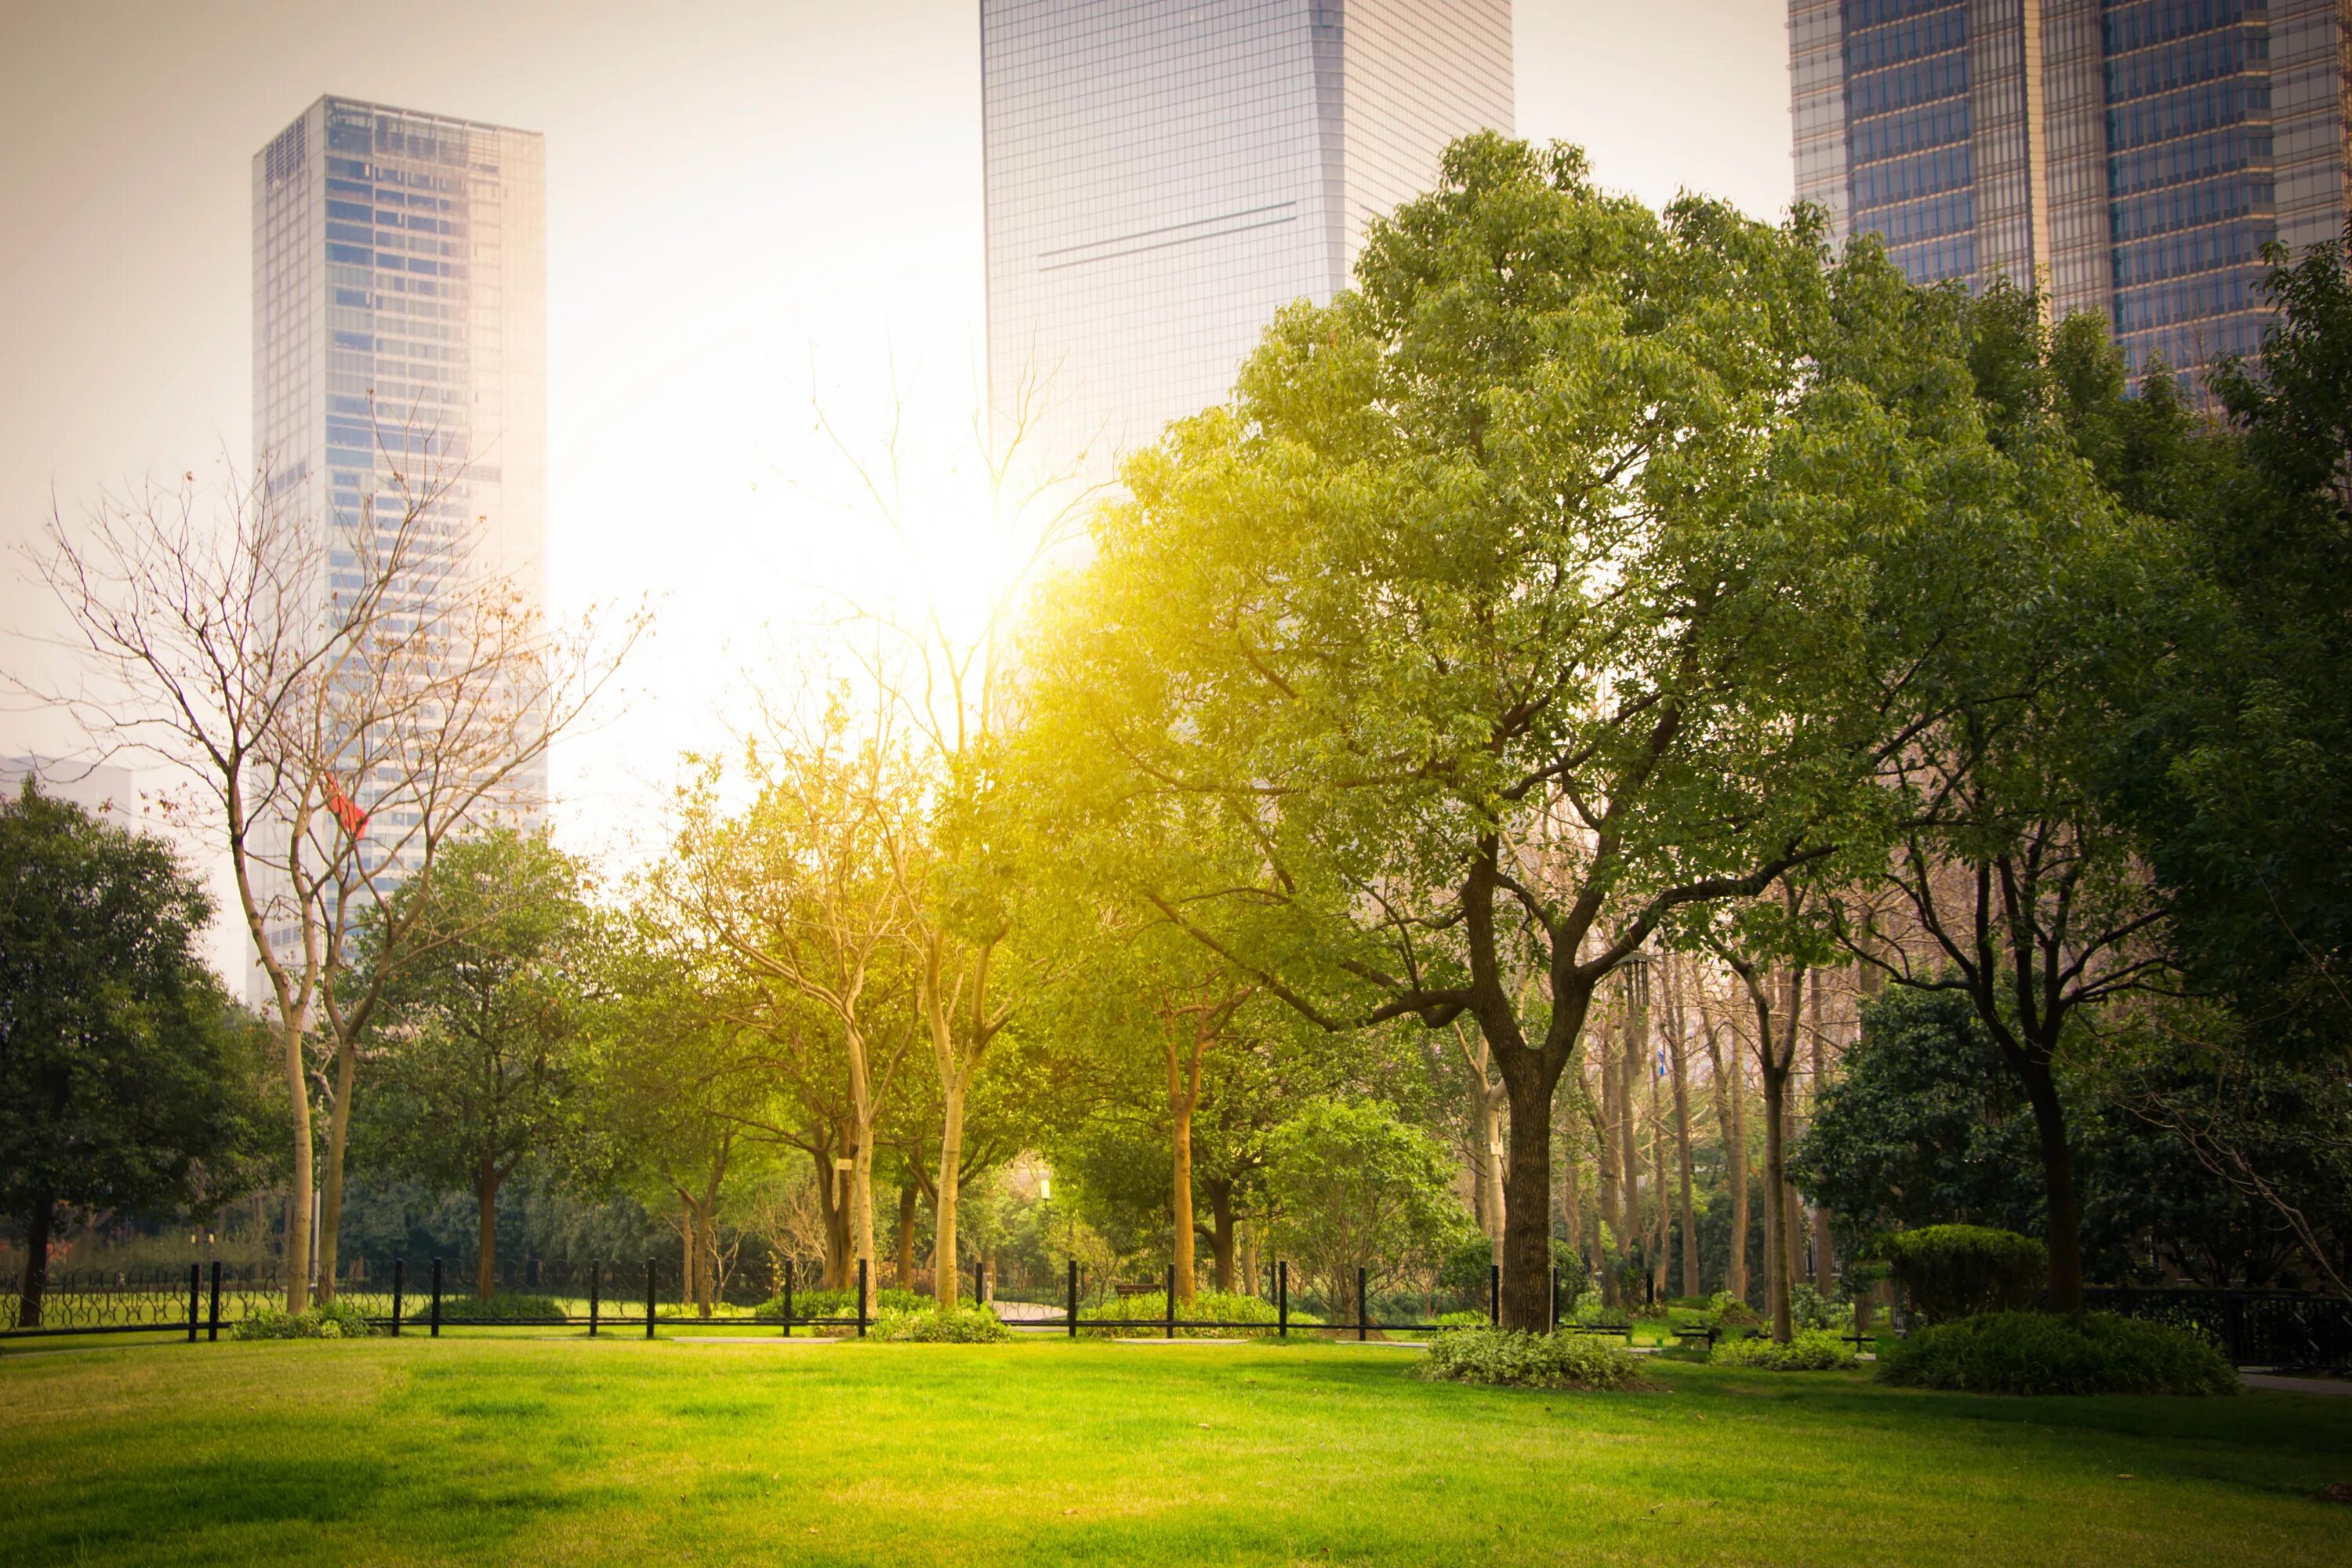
1955, 213
1938, 260
1920, 174
2194, 158
1934, 125
1900, 87
2150, 22
2199, 250
1870, 48
2217, 294
1860, 14
2187, 206
2191, 110
2198, 59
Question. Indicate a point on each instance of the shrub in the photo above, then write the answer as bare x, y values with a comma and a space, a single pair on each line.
1207, 1307
1726, 1310
844, 1303
952, 1326
503, 1307
1816, 1350
2042, 1352
1511, 1359
1809, 1309
336, 1321
1961, 1270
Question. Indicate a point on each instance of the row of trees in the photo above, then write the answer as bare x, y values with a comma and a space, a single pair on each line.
1576, 674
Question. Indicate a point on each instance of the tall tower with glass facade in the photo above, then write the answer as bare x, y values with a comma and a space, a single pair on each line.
2132, 157
1162, 177
400, 326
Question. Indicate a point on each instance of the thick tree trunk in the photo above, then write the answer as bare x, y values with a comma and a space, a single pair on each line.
330, 1196
906, 1197
2064, 1232
835, 1213
297, 1198
487, 1177
1180, 1192
1527, 1239
38, 1220
1792, 1224
1661, 1213
1221, 1232
1248, 1264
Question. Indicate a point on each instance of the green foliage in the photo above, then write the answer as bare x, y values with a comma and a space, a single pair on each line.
127, 1080
1356, 1189
1956, 1270
844, 1303
1812, 1350
1516, 1360
1726, 1310
504, 1307
1207, 1307
336, 1321
964, 1325
2046, 1352
1809, 1309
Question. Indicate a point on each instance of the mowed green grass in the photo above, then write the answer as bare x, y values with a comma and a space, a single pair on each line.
512, 1450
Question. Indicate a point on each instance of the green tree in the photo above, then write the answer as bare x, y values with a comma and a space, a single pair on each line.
1356, 1189
1532, 592
127, 1080
479, 1029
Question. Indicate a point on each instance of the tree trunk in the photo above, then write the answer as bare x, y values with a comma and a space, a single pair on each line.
1527, 1183
1682, 1147
38, 1220
1629, 1066
1180, 1191
1731, 1126
331, 1198
1612, 1208
297, 1198
1792, 1230
907, 1196
1247, 1267
1824, 1270
1776, 1213
487, 1178
1660, 1212
2065, 1233
1221, 1231
835, 1215
946, 1279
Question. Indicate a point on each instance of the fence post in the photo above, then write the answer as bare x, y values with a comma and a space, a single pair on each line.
861, 1297
437, 1299
399, 1273
1282, 1298
649, 1298
1493, 1295
595, 1279
196, 1292
1363, 1307
213, 1332
1172, 1301
1073, 1297
978, 1280
788, 1298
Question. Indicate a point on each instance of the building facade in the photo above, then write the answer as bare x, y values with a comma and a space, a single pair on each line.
400, 340
2129, 157
1162, 177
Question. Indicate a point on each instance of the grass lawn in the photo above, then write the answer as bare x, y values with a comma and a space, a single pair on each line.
507, 1449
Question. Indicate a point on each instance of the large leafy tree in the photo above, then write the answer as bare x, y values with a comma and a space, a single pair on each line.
480, 1032
126, 1079
1528, 595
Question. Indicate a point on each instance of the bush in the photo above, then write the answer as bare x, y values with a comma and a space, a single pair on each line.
1962, 1270
1726, 1310
1508, 1358
1809, 1309
2042, 1352
336, 1321
1208, 1307
842, 1303
503, 1307
954, 1326
1816, 1350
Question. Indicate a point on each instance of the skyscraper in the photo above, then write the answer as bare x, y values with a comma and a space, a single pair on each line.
400, 332
1164, 177
2133, 157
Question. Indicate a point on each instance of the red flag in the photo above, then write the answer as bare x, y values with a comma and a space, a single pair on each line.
345, 810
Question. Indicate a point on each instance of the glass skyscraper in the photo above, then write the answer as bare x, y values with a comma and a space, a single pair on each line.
2133, 157
400, 326
1162, 177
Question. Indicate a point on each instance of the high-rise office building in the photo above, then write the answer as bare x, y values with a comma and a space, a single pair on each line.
2132, 157
1163, 176
400, 335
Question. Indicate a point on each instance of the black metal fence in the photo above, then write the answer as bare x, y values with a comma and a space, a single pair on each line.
2253, 1328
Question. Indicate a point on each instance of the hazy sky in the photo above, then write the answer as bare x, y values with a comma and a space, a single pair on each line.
746, 201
